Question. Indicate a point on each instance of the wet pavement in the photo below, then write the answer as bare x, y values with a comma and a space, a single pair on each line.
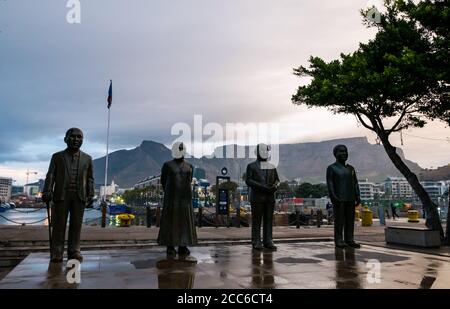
294, 265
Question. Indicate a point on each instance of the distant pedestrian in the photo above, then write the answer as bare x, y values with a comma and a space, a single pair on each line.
386, 211
394, 211
329, 208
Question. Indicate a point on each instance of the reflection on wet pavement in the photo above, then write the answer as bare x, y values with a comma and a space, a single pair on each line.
294, 265
176, 273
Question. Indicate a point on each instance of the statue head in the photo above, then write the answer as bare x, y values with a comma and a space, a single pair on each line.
340, 152
178, 150
262, 152
74, 139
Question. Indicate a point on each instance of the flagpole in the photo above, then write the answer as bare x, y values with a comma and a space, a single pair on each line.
107, 155
107, 152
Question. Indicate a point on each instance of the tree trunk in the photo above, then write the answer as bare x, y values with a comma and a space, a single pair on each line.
447, 229
432, 216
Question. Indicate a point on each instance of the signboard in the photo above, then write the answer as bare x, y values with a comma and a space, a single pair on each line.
222, 204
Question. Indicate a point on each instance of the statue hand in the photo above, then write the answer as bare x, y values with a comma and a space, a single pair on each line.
267, 189
89, 202
334, 200
272, 188
47, 197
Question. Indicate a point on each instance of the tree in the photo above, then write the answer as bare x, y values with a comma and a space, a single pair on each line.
309, 190
284, 186
230, 185
432, 20
387, 84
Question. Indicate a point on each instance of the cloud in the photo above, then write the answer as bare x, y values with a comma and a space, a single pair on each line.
230, 61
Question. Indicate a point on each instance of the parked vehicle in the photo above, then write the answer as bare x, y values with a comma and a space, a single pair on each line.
4, 207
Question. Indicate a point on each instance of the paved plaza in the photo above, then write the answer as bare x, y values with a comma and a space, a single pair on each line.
294, 265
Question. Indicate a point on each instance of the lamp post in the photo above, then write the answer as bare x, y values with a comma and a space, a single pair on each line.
28, 174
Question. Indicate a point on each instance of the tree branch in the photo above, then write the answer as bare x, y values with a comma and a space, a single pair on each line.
363, 122
395, 127
380, 123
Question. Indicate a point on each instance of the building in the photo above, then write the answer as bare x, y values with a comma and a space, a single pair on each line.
34, 189
435, 190
5, 189
293, 184
397, 187
154, 180
199, 173
17, 190
109, 190
378, 190
366, 189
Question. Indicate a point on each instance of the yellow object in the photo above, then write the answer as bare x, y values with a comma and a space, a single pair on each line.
413, 216
357, 215
125, 219
367, 217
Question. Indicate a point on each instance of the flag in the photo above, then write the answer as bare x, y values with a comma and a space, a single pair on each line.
110, 94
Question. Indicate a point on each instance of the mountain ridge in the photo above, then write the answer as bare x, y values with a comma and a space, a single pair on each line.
307, 161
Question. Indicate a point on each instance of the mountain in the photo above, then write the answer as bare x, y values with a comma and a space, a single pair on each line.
307, 161
126, 167
441, 173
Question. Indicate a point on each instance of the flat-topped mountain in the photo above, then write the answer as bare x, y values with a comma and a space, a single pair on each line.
307, 161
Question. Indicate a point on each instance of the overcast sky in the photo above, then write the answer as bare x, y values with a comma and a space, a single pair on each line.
227, 60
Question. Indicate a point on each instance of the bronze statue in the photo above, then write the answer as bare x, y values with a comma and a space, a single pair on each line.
262, 178
177, 227
344, 193
70, 185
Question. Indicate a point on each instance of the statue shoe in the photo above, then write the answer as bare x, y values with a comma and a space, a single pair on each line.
171, 250
341, 244
271, 246
353, 244
183, 250
76, 256
257, 246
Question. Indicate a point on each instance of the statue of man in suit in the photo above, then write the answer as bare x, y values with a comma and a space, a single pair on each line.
262, 178
177, 227
344, 193
70, 185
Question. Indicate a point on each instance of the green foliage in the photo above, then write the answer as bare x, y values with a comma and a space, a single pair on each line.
311, 190
284, 186
231, 186
141, 196
394, 75
432, 20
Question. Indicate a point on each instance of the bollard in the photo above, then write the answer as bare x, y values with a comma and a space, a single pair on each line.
381, 215
158, 216
149, 216
297, 219
357, 215
238, 216
103, 214
367, 217
200, 216
319, 218
413, 216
